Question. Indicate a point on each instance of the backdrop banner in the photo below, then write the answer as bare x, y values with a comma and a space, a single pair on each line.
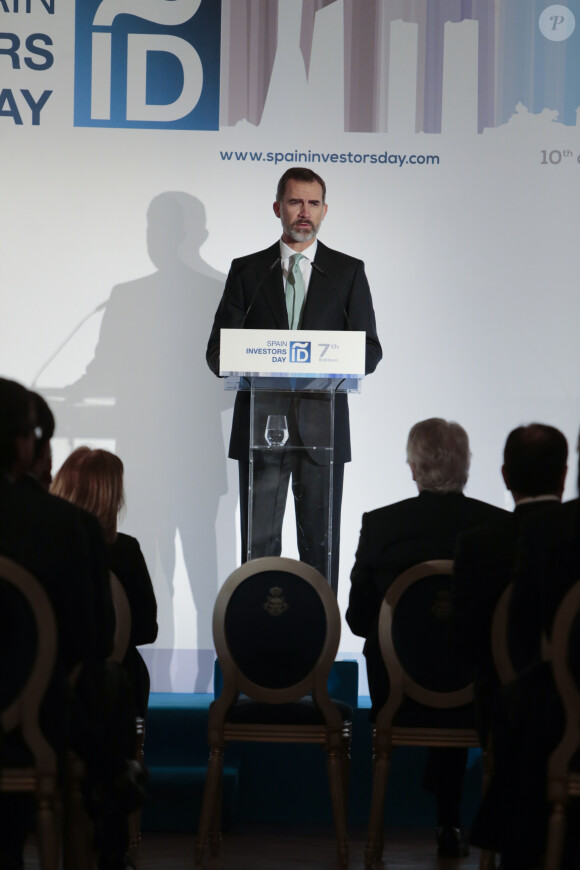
142, 143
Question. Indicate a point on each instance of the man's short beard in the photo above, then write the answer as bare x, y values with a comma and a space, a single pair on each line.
298, 236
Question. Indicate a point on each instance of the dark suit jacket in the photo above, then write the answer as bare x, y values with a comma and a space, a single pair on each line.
547, 565
63, 547
343, 286
529, 720
127, 562
392, 539
483, 567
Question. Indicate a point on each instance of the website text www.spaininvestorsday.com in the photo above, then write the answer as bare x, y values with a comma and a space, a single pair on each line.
380, 158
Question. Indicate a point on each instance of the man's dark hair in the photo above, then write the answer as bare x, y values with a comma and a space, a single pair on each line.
535, 459
16, 419
299, 173
45, 423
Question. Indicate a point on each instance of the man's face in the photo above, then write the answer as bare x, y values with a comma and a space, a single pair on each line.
301, 211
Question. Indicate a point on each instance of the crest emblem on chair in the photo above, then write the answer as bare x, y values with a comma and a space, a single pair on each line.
441, 605
275, 604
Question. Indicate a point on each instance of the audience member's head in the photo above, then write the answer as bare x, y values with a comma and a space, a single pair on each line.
16, 429
438, 453
93, 480
535, 458
45, 424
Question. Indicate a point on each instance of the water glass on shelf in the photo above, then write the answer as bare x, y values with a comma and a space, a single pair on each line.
276, 433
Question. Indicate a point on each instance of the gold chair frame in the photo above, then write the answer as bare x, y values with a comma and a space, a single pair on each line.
386, 736
122, 619
123, 623
334, 734
41, 778
499, 637
563, 783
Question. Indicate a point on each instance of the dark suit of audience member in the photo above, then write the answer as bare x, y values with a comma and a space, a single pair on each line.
394, 538
534, 471
548, 565
63, 547
127, 562
65, 551
528, 717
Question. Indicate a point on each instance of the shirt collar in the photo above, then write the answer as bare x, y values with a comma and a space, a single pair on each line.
309, 253
530, 499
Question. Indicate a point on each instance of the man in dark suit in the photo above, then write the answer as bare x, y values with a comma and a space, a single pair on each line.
528, 718
547, 565
534, 471
394, 538
330, 292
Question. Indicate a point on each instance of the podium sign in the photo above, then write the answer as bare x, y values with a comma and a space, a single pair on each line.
299, 353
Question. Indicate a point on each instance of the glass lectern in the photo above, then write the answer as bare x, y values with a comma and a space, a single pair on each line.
291, 424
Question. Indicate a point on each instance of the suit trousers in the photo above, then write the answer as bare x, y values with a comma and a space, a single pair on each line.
273, 470
444, 777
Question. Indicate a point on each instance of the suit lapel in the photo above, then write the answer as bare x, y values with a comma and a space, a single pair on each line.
272, 292
317, 289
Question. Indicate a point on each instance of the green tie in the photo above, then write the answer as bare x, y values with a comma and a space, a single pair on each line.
295, 291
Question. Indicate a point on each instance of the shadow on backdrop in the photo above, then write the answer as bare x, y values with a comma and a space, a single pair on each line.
149, 388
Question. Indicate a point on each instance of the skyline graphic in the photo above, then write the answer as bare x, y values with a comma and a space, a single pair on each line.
425, 48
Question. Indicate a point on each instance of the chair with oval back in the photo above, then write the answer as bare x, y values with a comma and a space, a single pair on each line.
276, 628
122, 619
37, 773
123, 623
563, 772
499, 637
430, 693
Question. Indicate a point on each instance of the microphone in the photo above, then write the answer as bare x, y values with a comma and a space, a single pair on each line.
335, 288
63, 344
257, 290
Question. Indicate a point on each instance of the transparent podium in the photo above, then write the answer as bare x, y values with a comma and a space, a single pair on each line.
297, 380
292, 443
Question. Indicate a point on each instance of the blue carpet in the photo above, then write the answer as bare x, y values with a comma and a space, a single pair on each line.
273, 783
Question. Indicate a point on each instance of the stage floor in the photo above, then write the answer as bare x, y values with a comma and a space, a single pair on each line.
254, 848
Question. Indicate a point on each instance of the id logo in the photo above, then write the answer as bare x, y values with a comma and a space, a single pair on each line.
299, 351
147, 63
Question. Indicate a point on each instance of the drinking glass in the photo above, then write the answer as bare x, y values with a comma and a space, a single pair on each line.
276, 433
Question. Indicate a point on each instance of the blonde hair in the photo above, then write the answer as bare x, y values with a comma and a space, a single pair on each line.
93, 480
